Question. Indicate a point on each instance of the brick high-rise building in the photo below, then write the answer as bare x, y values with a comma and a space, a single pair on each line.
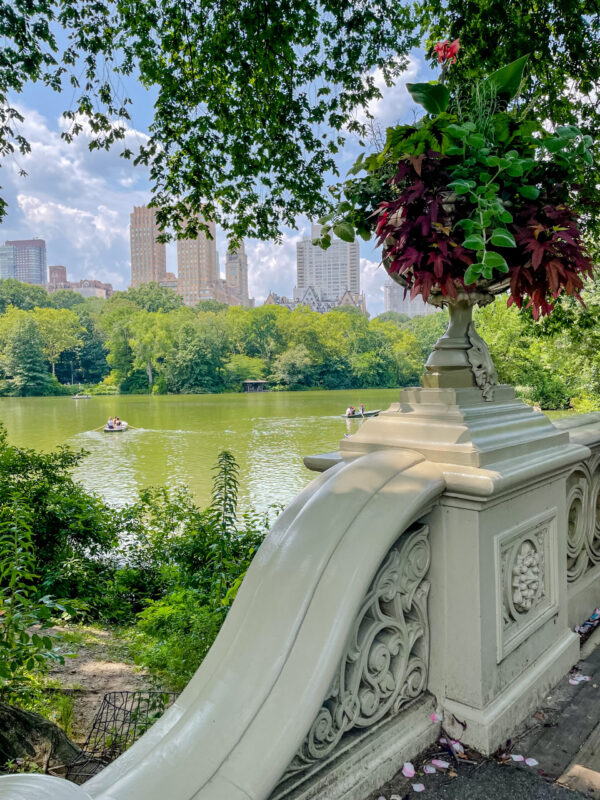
57, 275
236, 274
197, 268
148, 256
26, 260
331, 272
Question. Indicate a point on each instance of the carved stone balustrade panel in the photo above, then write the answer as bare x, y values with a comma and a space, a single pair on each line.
583, 535
385, 664
527, 580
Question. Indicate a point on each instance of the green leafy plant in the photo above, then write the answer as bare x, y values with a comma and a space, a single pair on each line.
477, 191
24, 646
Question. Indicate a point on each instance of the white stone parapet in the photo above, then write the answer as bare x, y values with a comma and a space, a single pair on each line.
438, 563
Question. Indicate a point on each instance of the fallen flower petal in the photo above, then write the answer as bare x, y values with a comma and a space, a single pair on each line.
418, 787
531, 762
428, 769
437, 762
517, 757
408, 770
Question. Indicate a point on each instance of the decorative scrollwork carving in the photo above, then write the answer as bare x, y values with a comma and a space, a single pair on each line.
481, 363
583, 534
385, 663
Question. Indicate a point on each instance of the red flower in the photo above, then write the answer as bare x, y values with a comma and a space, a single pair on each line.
447, 51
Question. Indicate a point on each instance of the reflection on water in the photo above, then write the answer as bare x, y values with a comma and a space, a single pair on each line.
174, 441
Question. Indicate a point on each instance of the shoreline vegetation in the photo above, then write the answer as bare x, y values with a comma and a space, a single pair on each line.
149, 583
144, 341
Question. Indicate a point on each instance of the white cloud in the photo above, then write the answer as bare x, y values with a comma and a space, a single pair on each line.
372, 278
395, 104
78, 201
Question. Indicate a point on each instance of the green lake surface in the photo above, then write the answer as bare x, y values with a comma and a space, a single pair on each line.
177, 438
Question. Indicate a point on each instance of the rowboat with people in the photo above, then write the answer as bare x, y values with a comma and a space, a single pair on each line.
359, 413
115, 425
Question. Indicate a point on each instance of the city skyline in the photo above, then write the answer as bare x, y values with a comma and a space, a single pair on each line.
396, 299
25, 260
90, 195
197, 271
148, 256
331, 272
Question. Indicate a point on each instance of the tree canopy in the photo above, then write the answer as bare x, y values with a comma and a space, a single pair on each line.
254, 98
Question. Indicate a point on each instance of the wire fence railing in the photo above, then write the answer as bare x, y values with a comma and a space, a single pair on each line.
121, 719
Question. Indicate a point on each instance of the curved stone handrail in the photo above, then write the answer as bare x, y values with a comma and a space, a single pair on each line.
237, 726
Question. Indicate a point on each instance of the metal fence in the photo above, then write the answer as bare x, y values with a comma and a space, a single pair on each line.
121, 719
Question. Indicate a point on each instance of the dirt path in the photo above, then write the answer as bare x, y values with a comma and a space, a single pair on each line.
103, 663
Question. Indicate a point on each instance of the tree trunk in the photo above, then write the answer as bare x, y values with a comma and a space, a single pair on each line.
149, 372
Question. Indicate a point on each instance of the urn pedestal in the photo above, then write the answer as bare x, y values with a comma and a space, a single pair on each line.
498, 605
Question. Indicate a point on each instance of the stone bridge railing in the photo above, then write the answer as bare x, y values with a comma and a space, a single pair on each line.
583, 514
438, 564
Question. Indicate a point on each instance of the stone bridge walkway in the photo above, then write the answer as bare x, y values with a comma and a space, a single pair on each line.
563, 737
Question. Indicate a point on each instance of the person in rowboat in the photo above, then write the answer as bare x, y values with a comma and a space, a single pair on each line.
361, 410
110, 423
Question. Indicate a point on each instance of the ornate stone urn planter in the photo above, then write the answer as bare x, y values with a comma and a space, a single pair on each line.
461, 358
472, 200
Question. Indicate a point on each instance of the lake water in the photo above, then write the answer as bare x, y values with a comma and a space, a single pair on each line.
177, 438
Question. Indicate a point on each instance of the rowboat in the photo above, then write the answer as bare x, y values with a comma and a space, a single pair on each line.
361, 415
82, 397
122, 426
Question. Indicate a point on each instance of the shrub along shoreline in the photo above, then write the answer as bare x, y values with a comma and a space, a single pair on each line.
145, 341
162, 569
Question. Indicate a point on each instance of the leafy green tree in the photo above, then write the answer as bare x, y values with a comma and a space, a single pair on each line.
265, 334
239, 368
71, 530
22, 295
293, 368
393, 316
150, 341
252, 101
66, 298
115, 322
197, 361
94, 305
211, 305
86, 363
373, 368
152, 297
427, 330
60, 331
25, 645
404, 350
22, 359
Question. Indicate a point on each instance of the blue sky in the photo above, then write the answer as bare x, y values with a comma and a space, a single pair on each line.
79, 201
